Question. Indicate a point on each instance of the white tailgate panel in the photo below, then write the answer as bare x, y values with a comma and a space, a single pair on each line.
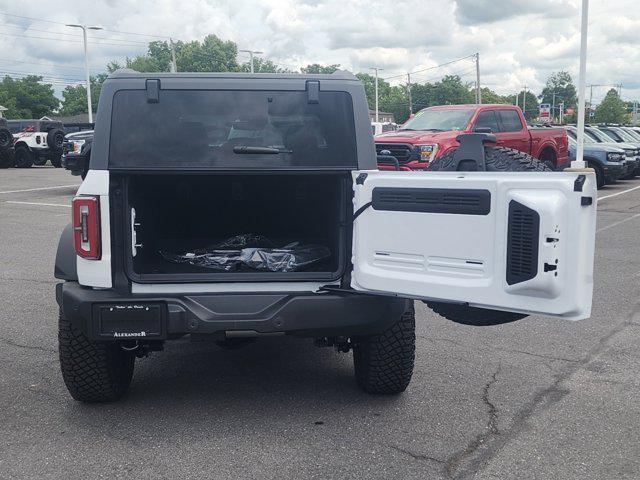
463, 257
97, 273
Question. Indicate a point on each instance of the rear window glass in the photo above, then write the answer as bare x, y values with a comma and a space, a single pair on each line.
232, 129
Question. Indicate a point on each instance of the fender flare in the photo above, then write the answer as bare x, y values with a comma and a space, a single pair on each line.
66, 267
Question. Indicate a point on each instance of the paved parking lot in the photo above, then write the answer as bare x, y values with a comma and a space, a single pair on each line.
539, 398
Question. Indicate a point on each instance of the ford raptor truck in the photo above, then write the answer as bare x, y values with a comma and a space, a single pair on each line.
223, 206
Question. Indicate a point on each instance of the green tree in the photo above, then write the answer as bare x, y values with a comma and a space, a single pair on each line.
74, 98
532, 106
611, 109
565, 91
317, 68
27, 97
210, 55
261, 65
489, 96
448, 91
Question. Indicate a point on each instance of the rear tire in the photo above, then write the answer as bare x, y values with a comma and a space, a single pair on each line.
93, 372
497, 159
384, 363
23, 157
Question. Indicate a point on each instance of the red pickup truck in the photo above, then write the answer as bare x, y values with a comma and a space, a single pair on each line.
433, 131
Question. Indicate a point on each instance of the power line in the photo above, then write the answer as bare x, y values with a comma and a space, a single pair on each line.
69, 41
29, 29
63, 23
46, 64
28, 74
431, 68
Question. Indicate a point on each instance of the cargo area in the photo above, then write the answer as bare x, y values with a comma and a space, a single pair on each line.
249, 227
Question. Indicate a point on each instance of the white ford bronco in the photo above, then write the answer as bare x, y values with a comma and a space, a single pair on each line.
229, 206
37, 141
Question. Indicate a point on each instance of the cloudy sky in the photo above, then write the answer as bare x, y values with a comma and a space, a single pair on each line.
520, 41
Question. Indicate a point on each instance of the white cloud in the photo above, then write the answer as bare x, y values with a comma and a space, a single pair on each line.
520, 41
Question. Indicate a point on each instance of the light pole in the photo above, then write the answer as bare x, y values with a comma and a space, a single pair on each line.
86, 64
579, 161
376, 69
478, 90
251, 54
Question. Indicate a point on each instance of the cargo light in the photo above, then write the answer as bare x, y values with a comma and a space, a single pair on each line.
86, 227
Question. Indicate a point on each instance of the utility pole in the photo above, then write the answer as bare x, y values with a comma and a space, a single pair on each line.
561, 113
478, 91
524, 101
174, 64
376, 69
409, 93
86, 65
590, 100
579, 161
251, 54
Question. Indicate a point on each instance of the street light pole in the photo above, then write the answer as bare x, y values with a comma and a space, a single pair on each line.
376, 69
251, 54
86, 65
579, 161
478, 90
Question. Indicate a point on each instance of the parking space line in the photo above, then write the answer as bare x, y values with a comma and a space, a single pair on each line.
39, 189
43, 204
615, 224
612, 195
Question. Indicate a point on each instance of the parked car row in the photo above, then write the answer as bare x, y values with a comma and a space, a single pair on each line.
28, 142
613, 152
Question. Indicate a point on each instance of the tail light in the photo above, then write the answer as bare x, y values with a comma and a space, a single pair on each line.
86, 227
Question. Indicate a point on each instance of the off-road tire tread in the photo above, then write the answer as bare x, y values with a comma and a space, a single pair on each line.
93, 372
497, 159
384, 362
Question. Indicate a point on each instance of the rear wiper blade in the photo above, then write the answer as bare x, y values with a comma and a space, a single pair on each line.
246, 150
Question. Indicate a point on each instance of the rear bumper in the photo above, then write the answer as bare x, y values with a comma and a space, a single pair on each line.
304, 314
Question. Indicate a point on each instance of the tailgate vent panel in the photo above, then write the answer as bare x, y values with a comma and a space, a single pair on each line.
522, 243
432, 200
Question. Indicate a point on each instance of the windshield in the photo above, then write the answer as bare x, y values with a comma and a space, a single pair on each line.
600, 136
441, 120
633, 134
232, 129
573, 135
626, 136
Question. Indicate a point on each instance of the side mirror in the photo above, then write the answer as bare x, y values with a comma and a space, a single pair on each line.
483, 130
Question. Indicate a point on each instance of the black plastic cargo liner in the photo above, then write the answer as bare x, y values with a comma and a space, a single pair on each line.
183, 213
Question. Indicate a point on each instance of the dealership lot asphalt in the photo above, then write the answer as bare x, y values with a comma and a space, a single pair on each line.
539, 398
